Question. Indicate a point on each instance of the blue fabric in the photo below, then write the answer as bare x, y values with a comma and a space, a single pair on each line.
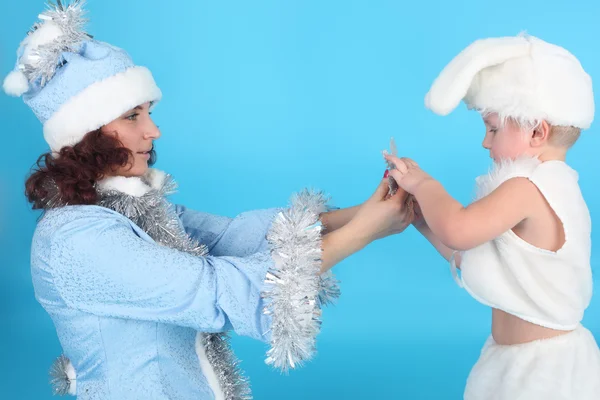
94, 62
126, 310
239, 236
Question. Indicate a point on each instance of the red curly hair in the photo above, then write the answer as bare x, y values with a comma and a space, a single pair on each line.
76, 169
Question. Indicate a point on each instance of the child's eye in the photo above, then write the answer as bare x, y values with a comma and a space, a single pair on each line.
133, 117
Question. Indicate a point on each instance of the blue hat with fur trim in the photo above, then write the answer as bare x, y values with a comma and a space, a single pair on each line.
73, 83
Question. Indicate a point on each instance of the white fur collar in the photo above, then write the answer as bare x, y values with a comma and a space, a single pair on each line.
502, 171
134, 186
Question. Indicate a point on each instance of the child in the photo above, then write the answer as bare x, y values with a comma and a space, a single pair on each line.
523, 247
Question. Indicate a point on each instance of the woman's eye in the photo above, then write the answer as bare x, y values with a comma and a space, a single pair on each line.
132, 117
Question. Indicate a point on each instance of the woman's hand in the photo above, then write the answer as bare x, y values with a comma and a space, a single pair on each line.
376, 218
418, 220
335, 219
381, 216
408, 174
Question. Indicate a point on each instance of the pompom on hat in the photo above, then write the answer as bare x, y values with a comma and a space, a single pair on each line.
73, 83
521, 77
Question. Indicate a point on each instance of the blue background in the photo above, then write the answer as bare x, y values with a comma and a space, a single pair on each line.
263, 98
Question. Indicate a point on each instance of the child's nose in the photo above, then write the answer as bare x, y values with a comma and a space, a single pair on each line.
486, 143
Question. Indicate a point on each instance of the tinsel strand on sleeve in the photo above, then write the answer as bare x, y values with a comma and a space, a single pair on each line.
294, 290
329, 290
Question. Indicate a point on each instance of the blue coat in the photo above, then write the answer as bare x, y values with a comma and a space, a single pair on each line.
127, 310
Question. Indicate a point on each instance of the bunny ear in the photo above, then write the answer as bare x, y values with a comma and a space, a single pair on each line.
16, 84
454, 81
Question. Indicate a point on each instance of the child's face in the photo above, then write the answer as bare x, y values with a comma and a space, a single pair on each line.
505, 142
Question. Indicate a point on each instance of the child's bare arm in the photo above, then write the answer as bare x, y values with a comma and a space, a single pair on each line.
463, 228
421, 226
444, 250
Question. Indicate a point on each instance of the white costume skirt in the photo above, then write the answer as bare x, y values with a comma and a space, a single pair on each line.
565, 367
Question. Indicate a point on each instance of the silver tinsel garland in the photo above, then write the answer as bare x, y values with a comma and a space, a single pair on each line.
156, 216
329, 289
393, 185
43, 61
61, 383
226, 366
294, 290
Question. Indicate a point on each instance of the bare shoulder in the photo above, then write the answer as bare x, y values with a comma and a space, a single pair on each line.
519, 192
541, 227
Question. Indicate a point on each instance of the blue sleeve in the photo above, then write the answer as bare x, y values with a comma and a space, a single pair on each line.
261, 280
102, 266
241, 236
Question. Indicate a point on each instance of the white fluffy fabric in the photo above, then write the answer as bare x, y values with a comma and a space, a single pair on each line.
550, 288
504, 170
100, 104
561, 368
70, 371
134, 185
521, 77
15, 84
155, 178
46, 33
207, 369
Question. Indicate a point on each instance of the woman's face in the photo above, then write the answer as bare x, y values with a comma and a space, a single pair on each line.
137, 132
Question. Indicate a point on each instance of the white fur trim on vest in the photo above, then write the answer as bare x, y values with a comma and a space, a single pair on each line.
521, 77
100, 104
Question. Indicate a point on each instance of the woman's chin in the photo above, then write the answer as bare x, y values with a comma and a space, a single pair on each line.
138, 170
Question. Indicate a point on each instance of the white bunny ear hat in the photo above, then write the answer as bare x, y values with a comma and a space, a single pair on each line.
521, 77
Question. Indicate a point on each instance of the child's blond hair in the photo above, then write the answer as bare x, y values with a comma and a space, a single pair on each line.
564, 136
560, 136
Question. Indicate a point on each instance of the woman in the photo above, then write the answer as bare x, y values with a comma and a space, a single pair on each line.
141, 291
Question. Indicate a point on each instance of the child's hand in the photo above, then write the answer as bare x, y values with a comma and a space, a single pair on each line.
407, 173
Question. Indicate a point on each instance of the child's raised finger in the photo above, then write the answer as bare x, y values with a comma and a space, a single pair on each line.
410, 163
